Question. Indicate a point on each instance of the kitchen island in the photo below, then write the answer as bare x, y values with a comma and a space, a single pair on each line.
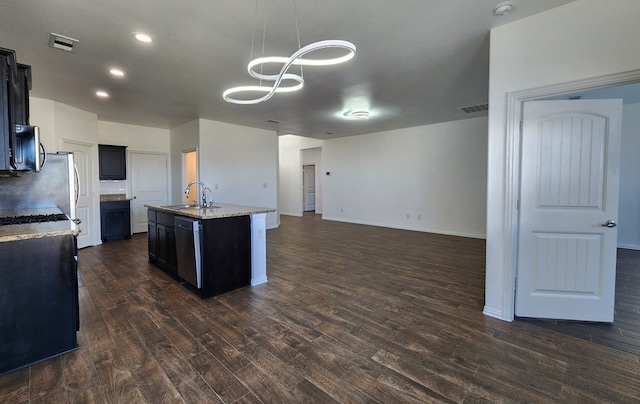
38, 289
228, 250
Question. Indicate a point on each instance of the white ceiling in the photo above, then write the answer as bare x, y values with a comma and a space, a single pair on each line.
417, 61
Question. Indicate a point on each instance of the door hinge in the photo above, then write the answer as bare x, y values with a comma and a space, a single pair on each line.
520, 127
518, 204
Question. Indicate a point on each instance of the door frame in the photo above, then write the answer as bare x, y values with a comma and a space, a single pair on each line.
514, 105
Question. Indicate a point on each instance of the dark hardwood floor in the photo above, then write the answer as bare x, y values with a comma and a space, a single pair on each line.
624, 332
350, 314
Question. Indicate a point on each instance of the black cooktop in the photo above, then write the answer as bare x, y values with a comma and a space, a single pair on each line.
53, 217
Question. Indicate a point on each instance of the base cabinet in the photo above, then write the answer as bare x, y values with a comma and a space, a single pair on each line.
162, 241
39, 316
226, 255
226, 251
115, 220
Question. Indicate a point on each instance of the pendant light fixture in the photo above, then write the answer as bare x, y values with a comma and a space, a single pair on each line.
293, 81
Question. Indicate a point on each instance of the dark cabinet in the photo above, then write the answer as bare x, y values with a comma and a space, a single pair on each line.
9, 87
39, 295
226, 251
112, 162
115, 220
22, 95
162, 241
226, 255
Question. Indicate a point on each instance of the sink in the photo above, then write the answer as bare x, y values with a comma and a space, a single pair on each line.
185, 206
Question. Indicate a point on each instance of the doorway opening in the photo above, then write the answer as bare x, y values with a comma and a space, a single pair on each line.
309, 187
620, 334
190, 171
514, 116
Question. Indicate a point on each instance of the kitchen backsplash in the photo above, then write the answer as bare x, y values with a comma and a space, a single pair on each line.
113, 187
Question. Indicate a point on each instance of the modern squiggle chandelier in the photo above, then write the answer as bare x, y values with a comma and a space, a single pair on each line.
293, 81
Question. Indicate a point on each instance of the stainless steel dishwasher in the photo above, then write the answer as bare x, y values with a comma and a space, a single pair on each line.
189, 249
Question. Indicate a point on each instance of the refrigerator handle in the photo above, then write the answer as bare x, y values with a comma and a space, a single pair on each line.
77, 190
44, 156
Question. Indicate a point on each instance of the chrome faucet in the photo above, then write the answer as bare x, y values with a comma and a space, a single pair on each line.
203, 188
204, 201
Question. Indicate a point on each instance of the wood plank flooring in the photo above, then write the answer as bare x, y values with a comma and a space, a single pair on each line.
624, 332
350, 314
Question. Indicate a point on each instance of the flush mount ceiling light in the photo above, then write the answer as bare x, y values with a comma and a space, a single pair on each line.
142, 37
503, 8
357, 114
102, 94
116, 72
293, 81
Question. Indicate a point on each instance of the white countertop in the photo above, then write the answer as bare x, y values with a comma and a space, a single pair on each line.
14, 232
219, 210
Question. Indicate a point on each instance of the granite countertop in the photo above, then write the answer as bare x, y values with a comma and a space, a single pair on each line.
113, 197
219, 210
16, 232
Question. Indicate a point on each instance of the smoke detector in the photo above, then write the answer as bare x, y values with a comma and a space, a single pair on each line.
503, 8
62, 42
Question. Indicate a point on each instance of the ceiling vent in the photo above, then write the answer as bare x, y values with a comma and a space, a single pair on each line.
475, 108
273, 121
62, 42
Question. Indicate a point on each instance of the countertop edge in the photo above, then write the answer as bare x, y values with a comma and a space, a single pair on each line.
224, 210
72, 230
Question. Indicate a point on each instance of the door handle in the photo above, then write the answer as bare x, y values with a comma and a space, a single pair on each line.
609, 223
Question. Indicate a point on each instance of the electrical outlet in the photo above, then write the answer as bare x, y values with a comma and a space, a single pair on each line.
215, 186
419, 217
341, 210
264, 185
408, 216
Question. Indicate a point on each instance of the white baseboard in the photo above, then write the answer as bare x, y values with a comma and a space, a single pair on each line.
291, 214
488, 311
259, 281
435, 231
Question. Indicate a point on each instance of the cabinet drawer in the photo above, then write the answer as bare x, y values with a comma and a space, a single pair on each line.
151, 215
165, 218
114, 205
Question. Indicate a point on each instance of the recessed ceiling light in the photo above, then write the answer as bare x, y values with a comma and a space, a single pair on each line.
117, 72
503, 8
357, 114
142, 37
102, 94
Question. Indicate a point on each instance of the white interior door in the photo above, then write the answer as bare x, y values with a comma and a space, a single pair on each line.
569, 190
149, 185
309, 187
85, 210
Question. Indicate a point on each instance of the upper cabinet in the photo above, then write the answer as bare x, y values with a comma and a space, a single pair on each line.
113, 162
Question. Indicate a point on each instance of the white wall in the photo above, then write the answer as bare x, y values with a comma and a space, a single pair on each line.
290, 172
434, 174
136, 138
240, 165
629, 215
581, 40
41, 113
